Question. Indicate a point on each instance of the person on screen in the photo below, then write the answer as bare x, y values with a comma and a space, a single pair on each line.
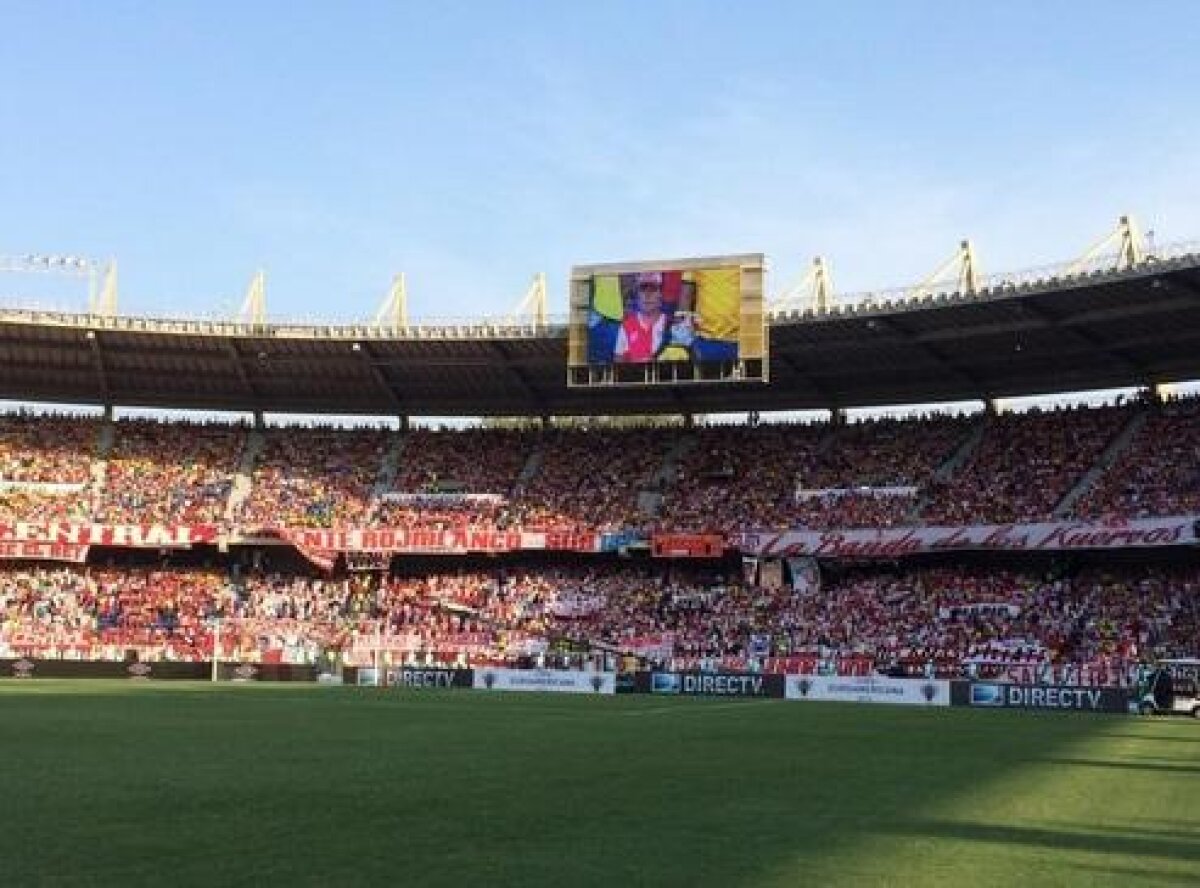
682, 329
643, 329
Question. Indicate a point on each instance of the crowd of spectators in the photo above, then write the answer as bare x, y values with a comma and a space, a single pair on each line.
315, 477
1158, 473
38, 452
863, 474
739, 476
715, 478
169, 473
1090, 626
1024, 465
592, 478
455, 479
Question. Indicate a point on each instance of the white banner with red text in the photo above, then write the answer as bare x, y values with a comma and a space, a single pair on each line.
1051, 536
34, 550
323, 546
127, 536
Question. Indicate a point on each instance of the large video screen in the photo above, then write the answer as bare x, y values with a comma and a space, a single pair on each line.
665, 315
668, 322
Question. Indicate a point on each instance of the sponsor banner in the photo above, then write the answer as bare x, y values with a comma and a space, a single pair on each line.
615, 541
687, 545
1001, 695
716, 684
52, 488
430, 677
1052, 536
129, 536
35, 550
166, 669
983, 609
443, 499
806, 493
868, 689
544, 681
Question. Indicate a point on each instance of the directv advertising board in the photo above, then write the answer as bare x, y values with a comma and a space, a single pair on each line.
716, 684
1000, 695
868, 689
429, 678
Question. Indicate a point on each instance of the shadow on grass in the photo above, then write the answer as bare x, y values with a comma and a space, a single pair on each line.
1110, 842
1124, 766
1151, 738
1146, 875
1187, 834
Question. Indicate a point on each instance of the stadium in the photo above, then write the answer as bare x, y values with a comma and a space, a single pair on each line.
679, 572
1042, 560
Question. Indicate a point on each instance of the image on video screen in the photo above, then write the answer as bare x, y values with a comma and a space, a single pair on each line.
692, 316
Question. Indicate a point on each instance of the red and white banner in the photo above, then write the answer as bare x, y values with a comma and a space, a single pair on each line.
130, 536
34, 550
399, 539
687, 545
323, 546
896, 542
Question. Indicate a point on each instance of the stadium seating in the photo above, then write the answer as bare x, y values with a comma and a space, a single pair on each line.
315, 478
1158, 473
1024, 465
36, 451
1083, 626
1089, 627
718, 478
591, 478
169, 473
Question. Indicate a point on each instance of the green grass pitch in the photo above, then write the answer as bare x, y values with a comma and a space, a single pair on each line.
107, 783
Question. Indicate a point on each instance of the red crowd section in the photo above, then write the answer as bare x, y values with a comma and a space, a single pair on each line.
1089, 627
1080, 625
1014, 467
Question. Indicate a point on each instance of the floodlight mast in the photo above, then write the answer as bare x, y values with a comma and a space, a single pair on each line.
101, 276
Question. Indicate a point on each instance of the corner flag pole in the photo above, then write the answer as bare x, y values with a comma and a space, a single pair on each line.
216, 646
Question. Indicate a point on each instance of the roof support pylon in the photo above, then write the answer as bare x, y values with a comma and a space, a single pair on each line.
963, 265
814, 291
1126, 238
103, 298
254, 306
532, 303
393, 311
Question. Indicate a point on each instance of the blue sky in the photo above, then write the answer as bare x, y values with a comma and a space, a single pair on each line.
473, 144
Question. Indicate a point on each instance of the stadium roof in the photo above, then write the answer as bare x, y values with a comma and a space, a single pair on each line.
1102, 329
